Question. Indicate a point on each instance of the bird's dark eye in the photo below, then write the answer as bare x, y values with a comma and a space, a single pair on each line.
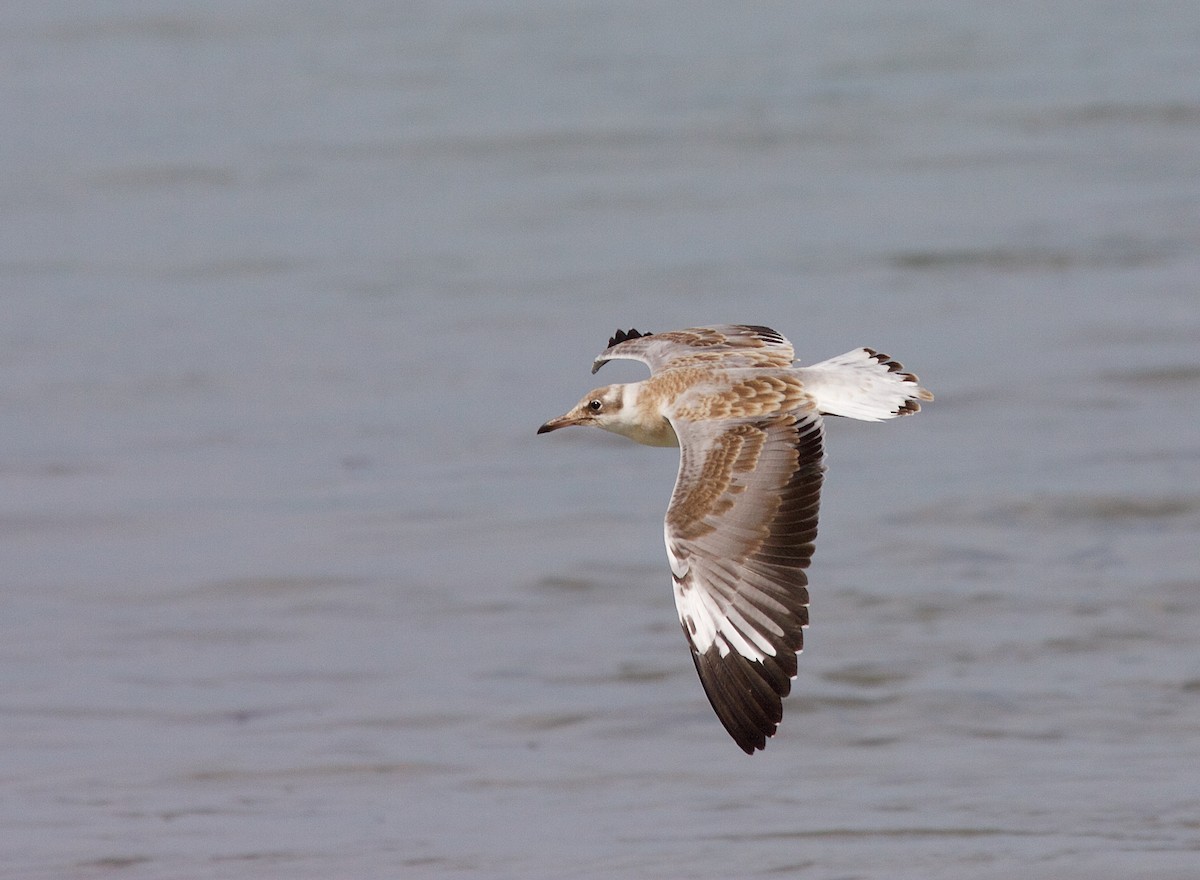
595, 405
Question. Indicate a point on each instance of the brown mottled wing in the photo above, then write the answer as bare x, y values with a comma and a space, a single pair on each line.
731, 345
739, 534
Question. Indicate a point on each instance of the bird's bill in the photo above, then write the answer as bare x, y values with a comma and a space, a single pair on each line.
563, 421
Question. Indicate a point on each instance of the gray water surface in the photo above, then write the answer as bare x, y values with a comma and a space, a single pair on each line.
290, 588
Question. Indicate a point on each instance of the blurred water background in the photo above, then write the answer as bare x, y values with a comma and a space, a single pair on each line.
290, 589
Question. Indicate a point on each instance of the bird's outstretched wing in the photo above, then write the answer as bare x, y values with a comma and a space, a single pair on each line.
733, 345
739, 534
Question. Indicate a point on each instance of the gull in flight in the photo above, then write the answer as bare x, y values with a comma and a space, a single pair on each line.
743, 516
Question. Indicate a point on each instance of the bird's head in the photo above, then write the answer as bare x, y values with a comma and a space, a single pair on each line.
601, 408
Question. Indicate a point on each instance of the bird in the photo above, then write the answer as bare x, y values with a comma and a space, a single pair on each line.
742, 519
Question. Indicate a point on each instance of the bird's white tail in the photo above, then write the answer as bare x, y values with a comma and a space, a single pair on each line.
863, 384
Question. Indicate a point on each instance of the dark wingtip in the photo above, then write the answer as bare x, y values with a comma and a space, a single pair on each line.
624, 336
766, 332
